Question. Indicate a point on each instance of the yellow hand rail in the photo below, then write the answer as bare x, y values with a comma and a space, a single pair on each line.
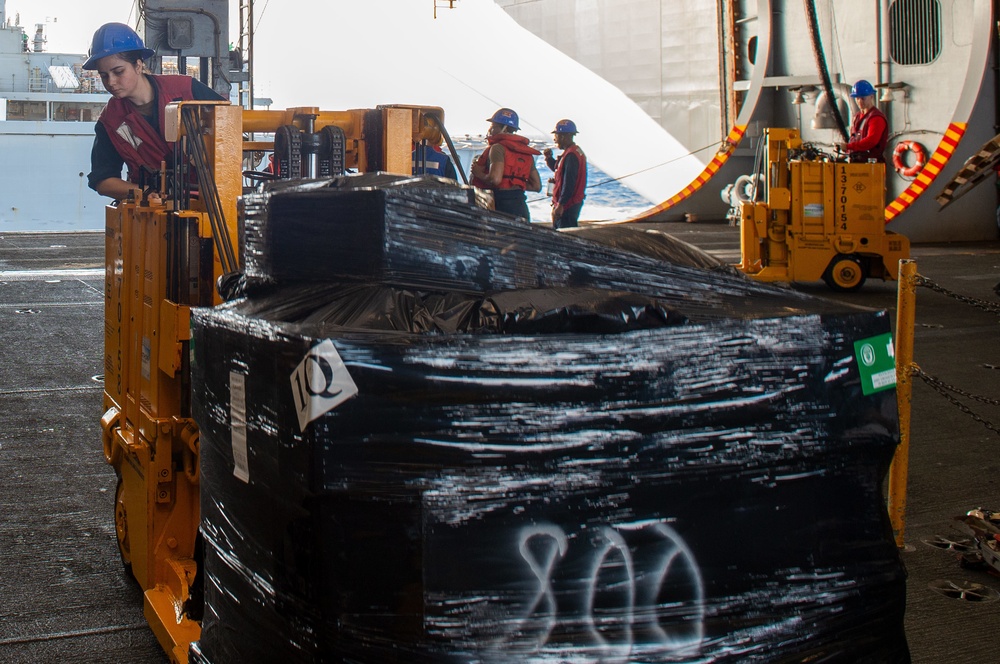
906, 301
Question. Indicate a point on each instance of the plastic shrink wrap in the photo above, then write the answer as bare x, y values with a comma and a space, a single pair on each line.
489, 442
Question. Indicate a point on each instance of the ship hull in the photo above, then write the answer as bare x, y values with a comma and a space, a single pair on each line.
45, 187
48, 108
711, 72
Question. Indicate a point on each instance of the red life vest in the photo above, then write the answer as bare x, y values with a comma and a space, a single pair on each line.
518, 160
859, 129
134, 138
581, 176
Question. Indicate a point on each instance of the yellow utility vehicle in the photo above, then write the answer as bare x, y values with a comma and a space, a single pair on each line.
819, 219
165, 254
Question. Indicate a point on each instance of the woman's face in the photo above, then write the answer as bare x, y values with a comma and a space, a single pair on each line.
120, 77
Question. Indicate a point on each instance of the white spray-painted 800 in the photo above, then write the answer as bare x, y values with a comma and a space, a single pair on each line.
664, 561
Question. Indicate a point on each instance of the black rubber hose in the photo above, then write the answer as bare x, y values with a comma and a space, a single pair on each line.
451, 146
208, 190
824, 72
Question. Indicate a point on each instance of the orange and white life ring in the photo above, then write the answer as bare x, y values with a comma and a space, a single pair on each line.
919, 158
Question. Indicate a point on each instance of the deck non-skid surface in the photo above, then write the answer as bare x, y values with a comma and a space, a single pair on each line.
66, 597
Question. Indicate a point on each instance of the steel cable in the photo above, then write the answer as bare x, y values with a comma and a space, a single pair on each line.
991, 307
209, 192
946, 391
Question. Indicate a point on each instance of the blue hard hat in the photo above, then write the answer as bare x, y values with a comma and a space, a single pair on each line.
862, 89
505, 116
114, 38
565, 127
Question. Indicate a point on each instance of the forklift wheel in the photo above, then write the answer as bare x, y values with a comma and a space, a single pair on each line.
845, 274
121, 527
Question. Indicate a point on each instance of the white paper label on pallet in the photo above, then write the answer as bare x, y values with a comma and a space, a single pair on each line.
320, 383
238, 424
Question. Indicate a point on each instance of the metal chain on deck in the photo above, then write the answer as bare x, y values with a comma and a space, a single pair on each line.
946, 390
991, 307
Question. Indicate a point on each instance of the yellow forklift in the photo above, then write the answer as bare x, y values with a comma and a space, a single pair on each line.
172, 250
819, 219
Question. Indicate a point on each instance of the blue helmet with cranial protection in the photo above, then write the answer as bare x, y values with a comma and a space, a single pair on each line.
505, 116
565, 127
862, 89
112, 39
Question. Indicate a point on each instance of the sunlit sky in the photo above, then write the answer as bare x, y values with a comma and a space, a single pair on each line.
341, 54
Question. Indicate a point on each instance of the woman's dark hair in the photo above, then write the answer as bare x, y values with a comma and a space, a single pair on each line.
131, 56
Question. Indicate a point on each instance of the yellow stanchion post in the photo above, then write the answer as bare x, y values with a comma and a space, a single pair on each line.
906, 301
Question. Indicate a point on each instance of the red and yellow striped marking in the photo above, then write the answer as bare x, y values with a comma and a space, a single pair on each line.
721, 157
933, 167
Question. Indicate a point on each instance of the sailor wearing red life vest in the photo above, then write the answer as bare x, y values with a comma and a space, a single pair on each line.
507, 166
131, 127
869, 128
570, 176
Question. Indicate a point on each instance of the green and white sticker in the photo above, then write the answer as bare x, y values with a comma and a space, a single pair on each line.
813, 210
876, 362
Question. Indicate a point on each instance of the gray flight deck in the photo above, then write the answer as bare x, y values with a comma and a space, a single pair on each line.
66, 598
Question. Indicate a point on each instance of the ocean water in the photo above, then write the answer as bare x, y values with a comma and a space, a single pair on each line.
607, 199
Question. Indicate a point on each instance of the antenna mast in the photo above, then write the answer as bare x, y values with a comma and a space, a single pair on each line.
246, 48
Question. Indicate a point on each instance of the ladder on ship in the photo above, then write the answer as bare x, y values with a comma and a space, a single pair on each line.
36, 81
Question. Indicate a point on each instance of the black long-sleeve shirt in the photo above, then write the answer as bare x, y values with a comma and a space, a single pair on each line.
105, 162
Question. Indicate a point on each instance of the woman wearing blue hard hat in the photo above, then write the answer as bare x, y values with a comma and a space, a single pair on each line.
131, 127
869, 128
507, 166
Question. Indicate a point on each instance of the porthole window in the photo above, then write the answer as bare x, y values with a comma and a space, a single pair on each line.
914, 31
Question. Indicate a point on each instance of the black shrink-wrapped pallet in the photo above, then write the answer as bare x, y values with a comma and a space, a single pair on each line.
400, 475
376, 228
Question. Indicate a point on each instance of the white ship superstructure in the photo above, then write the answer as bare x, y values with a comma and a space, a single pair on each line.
709, 71
48, 106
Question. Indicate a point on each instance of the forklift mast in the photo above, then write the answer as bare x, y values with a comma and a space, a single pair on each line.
164, 255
